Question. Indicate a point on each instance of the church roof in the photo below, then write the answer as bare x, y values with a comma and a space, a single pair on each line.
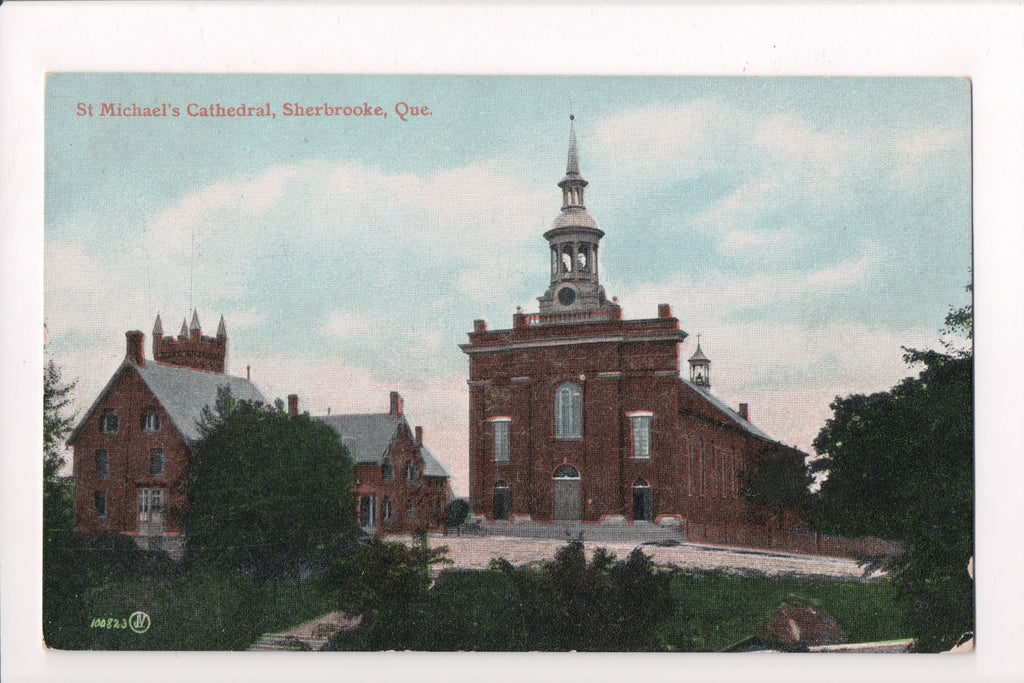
182, 392
727, 411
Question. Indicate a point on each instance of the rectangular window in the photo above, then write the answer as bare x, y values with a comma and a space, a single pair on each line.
689, 469
103, 465
101, 505
157, 463
641, 434
502, 429
703, 469
109, 423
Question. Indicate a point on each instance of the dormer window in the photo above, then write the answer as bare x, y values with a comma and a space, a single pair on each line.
109, 423
151, 421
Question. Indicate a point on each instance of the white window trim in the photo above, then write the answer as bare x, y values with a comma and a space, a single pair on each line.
636, 417
504, 447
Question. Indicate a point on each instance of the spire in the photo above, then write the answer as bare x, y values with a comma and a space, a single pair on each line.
184, 330
195, 321
222, 331
158, 327
572, 166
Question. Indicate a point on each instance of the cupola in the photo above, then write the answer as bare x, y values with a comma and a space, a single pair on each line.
700, 368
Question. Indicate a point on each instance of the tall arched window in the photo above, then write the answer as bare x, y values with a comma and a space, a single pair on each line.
569, 412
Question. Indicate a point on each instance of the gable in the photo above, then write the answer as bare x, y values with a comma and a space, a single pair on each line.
181, 392
368, 437
715, 408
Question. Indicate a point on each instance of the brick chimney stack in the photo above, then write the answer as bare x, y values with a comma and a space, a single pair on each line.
293, 405
419, 436
745, 411
664, 311
396, 404
133, 351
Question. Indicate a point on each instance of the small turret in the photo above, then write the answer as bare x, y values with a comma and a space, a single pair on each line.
158, 327
184, 330
700, 368
222, 331
194, 329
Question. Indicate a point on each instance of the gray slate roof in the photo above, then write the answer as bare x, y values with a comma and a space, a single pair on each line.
432, 465
183, 393
368, 438
729, 412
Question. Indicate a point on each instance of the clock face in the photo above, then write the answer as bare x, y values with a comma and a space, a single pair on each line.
566, 295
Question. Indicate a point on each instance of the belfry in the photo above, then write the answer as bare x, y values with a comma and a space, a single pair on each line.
574, 242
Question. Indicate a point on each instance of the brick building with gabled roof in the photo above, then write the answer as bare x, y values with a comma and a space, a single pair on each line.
577, 415
403, 487
134, 446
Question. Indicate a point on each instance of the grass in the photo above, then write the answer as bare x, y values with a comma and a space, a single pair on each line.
715, 610
193, 610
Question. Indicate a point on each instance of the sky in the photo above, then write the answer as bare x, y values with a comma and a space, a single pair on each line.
807, 228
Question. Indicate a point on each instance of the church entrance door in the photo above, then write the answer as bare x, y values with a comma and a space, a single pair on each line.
568, 494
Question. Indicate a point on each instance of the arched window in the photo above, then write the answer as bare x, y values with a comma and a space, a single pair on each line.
643, 502
502, 501
387, 471
385, 510
568, 412
412, 473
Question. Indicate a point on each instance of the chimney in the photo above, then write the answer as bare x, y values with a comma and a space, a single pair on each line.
479, 326
419, 436
247, 377
745, 411
293, 405
396, 404
133, 352
664, 311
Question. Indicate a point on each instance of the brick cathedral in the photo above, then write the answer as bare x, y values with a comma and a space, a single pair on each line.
576, 414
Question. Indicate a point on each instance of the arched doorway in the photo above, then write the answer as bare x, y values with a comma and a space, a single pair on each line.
568, 494
643, 502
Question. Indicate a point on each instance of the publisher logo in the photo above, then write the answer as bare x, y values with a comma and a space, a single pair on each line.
139, 622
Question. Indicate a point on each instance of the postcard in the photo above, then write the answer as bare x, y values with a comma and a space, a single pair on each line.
414, 351
587, 363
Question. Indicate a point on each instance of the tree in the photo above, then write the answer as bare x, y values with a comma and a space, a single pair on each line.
900, 465
778, 485
268, 493
61, 583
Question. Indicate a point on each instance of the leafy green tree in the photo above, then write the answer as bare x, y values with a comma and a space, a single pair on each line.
62, 585
778, 485
456, 513
268, 493
900, 465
